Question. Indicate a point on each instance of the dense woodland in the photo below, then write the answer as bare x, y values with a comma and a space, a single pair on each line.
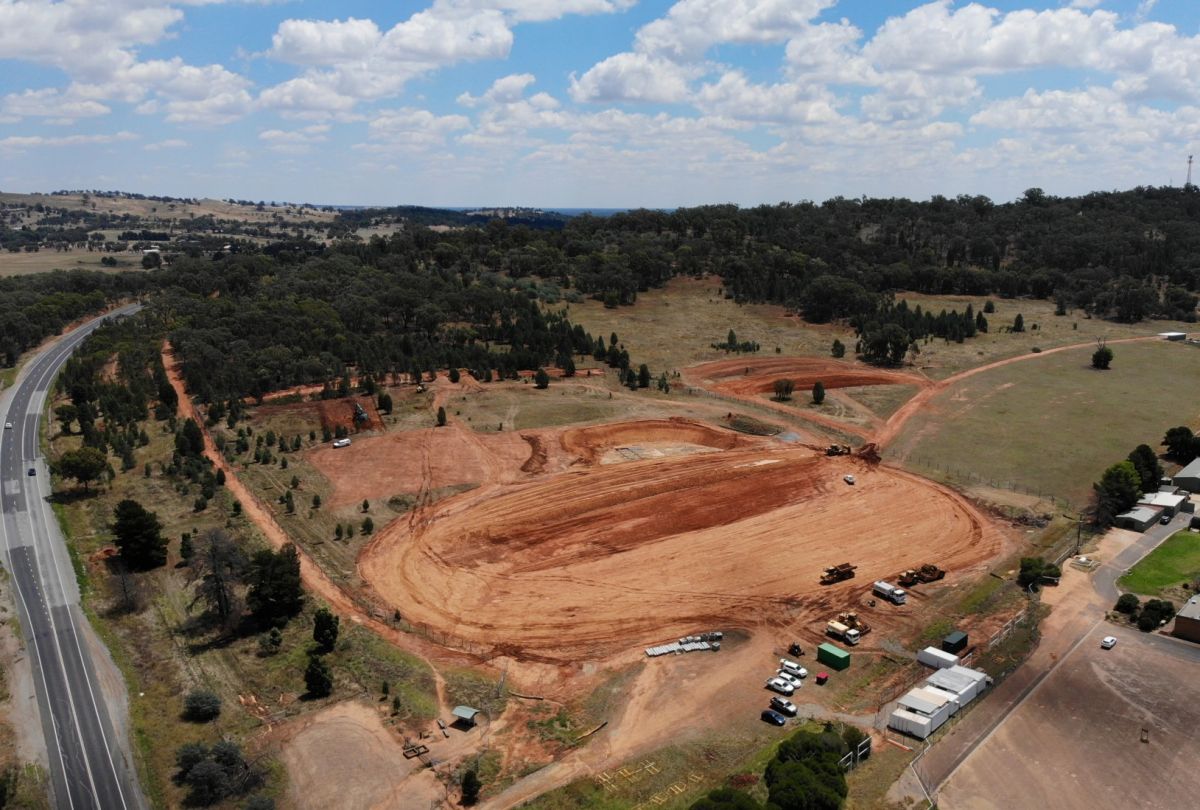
487, 297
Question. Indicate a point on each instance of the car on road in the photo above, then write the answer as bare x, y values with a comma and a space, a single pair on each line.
1108, 642
849, 479
8, 425
784, 675
781, 686
342, 443
783, 706
1165, 519
773, 717
33, 471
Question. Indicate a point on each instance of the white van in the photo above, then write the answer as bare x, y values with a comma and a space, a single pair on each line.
341, 443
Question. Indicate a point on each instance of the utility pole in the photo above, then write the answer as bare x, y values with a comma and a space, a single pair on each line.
1189, 173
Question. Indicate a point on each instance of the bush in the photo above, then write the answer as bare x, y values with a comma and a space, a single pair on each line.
470, 788
201, 705
1128, 603
317, 678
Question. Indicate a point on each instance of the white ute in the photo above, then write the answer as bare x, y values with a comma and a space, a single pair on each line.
781, 686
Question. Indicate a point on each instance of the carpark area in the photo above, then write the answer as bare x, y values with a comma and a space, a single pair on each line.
1106, 730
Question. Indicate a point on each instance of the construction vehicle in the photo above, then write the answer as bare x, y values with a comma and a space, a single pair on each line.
895, 595
915, 576
842, 632
838, 450
360, 414
838, 573
851, 620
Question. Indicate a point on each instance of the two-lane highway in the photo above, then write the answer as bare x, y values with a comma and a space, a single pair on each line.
87, 767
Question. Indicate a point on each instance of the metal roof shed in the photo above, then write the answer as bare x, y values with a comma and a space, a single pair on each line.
465, 714
1189, 477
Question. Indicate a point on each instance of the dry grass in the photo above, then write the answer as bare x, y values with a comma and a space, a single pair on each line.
44, 261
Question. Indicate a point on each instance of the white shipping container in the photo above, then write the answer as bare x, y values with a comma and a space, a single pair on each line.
907, 722
938, 659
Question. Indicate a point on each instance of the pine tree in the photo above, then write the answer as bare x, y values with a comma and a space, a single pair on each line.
325, 629
318, 678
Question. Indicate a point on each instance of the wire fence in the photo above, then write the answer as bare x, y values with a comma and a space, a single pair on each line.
965, 475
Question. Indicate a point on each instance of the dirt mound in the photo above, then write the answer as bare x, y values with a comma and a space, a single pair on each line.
608, 558
335, 413
753, 375
589, 443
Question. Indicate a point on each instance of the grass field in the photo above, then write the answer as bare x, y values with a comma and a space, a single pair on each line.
1174, 562
1051, 425
18, 264
940, 359
521, 407
675, 326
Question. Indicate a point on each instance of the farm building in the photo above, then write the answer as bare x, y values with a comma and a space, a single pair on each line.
1187, 620
1189, 477
1168, 503
1138, 518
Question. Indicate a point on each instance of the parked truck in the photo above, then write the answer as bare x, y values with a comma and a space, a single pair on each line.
890, 592
851, 620
926, 573
842, 632
838, 573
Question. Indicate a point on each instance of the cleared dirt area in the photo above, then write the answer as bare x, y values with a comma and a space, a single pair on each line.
749, 375
607, 558
335, 413
1077, 742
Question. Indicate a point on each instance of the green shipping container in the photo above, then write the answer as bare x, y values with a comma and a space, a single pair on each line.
833, 657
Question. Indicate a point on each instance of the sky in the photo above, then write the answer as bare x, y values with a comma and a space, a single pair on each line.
596, 103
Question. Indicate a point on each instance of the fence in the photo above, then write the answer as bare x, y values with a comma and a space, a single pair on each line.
962, 474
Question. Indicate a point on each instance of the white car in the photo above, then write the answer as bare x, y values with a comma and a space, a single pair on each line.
1108, 642
783, 706
8, 425
781, 686
849, 479
341, 443
793, 667
788, 677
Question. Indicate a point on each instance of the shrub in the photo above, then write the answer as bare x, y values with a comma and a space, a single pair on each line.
1128, 603
201, 705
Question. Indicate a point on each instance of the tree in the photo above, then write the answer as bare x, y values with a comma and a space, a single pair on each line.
1180, 443
784, 389
209, 783
1127, 603
1102, 358
1035, 570
887, 344
441, 416
85, 465
289, 502
541, 379
276, 593
217, 568
568, 366
989, 306
838, 350
1147, 465
1018, 323
185, 547
368, 526
1117, 490
325, 629
366, 505
318, 678
138, 536
201, 705
470, 787
316, 501
643, 379
190, 441
981, 324
385, 402
818, 393
66, 414
455, 375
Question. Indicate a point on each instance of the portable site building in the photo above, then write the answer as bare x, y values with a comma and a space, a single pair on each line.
938, 659
923, 711
955, 642
833, 657
964, 683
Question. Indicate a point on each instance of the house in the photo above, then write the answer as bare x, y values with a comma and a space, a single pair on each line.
1169, 504
1138, 518
1187, 620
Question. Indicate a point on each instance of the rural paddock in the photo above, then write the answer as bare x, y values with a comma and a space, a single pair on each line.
598, 559
1076, 742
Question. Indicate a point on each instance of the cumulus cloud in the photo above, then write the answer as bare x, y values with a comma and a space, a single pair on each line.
21, 143
635, 77
169, 143
49, 103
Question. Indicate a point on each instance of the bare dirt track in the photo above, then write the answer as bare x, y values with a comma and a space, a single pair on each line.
608, 558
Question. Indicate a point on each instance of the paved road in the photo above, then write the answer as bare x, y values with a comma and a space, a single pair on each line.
87, 767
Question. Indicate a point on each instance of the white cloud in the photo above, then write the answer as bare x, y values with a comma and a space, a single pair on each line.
312, 42
635, 77
169, 143
298, 141
505, 89
49, 103
691, 27
410, 129
20, 143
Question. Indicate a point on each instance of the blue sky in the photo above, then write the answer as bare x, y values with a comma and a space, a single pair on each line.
605, 103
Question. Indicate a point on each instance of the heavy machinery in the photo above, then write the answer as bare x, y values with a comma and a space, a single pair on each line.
838, 450
842, 632
850, 619
360, 414
838, 573
915, 576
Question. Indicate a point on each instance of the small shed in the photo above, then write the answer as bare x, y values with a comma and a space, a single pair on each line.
1189, 477
955, 642
1138, 519
1187, 620
465, 715
833, 657
1173, 335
